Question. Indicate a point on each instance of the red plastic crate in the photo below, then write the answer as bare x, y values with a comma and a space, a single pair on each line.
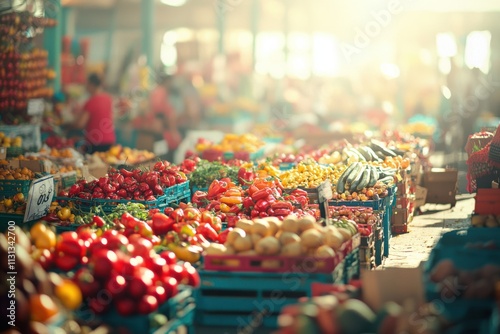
487, 202
309, 264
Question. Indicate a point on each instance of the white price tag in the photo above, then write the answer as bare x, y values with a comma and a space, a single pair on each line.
36, 107
325, 191
39, 198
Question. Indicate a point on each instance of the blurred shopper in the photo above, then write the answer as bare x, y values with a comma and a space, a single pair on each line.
96, 118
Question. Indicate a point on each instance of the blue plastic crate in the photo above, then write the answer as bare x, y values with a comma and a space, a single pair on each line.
455, 246
234, 298
108, 205
182, 188
379, 251
374, 204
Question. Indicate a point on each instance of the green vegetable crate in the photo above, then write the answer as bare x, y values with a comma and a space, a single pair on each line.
9, 188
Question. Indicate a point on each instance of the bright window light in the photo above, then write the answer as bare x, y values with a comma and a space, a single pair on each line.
174, 3
325, 57
477, 50
446, 45
390, 71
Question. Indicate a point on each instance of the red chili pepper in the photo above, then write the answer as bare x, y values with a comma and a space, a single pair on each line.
126, 173
98, 221
261, 194
157, 190
252, 190
207, 231
302, 200
51, 217
216, 187
223, 235
299, 192
270, 212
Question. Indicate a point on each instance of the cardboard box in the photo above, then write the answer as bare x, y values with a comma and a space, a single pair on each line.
401, 216
37, 166
441, 193
440, 175
3, 153
404, 202
392, 284
14, 163
420, 196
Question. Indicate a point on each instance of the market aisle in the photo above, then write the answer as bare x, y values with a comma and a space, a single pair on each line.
408, 250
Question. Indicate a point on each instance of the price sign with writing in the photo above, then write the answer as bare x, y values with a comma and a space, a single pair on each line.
325, 191
39, 198
36, 107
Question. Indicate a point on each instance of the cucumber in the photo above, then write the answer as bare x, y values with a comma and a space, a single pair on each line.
364, 179
365, 153
374, 155
387, 179
373, 176
354, 185
342, 179
354, 173
376, 146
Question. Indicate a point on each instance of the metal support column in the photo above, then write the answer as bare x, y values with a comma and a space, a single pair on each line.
52, 41
147, 27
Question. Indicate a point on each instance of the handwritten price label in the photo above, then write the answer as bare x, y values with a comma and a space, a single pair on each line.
39, 198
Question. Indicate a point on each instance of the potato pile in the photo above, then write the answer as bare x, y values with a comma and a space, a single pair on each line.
291, 237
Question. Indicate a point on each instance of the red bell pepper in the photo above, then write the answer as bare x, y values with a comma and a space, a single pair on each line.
235, 208
282, 212
262, 205
98, 221
223, 235
162, 224
271, 199
252, 190
263, 214
261, 194
208, 232
299, 192
199, 197
51, 217
254, 213
282, 205
217, 187
248, 202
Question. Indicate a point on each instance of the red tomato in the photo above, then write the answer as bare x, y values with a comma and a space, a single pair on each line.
171, 286
142, 247
147, 304
159, 292
109, 233
157, 264
46, 259
86, 282
169, 257
116, 285
117, 241
102, 262
192, 275
179, 273
66, 262
70, 244
97, 245
134, 237
127, 269
140, 282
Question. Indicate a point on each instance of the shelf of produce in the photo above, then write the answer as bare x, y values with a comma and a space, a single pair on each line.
9, 188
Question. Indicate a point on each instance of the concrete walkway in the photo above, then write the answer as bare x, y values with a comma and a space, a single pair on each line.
409, 249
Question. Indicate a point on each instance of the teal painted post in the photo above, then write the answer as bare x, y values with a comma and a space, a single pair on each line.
221, 27
147, 27
255, 30
52, 41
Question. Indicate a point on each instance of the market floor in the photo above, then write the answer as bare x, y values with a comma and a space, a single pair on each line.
410, 249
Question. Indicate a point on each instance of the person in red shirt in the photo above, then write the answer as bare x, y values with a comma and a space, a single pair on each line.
96, 118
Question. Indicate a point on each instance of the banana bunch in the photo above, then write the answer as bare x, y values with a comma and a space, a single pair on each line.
359, 176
